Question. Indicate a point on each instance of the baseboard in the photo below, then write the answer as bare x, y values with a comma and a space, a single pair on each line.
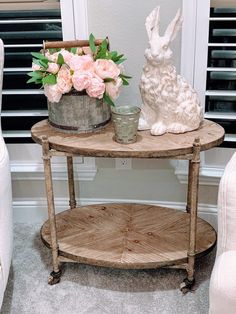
85, 169
207, 175
35, 210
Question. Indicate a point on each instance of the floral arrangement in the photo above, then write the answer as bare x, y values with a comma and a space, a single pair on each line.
94, 70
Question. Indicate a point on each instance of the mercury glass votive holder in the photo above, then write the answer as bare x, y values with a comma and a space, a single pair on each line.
125, 120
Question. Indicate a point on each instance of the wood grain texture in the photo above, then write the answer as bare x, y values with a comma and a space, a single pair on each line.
127, 235
102, 143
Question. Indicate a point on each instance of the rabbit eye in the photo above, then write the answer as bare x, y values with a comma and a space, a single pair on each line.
165, 47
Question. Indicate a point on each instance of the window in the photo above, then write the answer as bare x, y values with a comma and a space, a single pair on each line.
197, 62
221, 68
213, 54
28, 105
23, 31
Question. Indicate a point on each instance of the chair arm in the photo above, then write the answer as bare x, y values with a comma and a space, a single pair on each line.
227, 209
222, 291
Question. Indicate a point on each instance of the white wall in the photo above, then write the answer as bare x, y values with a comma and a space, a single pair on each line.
151, 181
123, 22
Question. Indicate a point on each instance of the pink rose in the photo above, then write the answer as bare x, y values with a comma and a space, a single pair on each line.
52, 92
81, 63
35, 67
64, 81
106, 69
96, 88
113, 88
66, 55
53, 67
52, 57
81, 80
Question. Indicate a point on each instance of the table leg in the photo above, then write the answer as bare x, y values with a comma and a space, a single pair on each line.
193, 206
72, 201
55, 275
189, 193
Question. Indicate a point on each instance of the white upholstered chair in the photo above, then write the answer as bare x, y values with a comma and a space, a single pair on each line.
223, 278
5, 201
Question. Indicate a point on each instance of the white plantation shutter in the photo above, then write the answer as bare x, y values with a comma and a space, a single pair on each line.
23, 31
215, 67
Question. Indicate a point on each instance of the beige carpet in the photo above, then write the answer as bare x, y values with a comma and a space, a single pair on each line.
86, 289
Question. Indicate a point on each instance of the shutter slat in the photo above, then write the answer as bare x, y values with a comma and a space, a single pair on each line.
22, 92
220, 93
24, 113
23, 45
224, 32
17, 69
16, 134
223, 75
211, 69
222, 19
223, 54
30, 21
221, 44
220, 115
230, 138
30, 35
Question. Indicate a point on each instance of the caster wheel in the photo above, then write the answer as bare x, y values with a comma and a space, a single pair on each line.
187, 285
54, 278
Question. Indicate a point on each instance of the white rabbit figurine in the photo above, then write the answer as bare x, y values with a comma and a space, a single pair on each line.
170, 104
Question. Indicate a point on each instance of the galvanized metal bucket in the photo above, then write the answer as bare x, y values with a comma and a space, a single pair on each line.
78, 113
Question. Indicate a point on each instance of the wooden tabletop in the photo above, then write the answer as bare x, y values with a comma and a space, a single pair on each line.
102, 143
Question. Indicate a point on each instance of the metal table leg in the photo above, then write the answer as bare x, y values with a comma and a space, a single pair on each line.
55, 275
71, 185
192, 205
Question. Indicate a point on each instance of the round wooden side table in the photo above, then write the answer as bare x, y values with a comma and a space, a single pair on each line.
127, 235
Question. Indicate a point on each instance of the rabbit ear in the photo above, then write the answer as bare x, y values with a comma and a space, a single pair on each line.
174, 26
152, 22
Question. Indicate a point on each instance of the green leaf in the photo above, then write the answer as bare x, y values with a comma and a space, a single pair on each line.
32, 80
117, 58
125, 82
114, 54
104, 45
39, 56
60, 59
125, 76
73, 50
100, 55
50, 79
43, 64
108, 100
92, 43
31, 74
37, 74
36, 61
102, 51
108, 79
120, 61
38, 82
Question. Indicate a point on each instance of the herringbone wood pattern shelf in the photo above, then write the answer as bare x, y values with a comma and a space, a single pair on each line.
127, 235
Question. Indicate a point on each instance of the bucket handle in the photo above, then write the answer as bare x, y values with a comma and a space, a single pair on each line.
70, 44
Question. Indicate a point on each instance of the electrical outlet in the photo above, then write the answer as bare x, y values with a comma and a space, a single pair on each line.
123, 163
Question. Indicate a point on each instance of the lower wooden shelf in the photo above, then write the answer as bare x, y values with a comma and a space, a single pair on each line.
130, 236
